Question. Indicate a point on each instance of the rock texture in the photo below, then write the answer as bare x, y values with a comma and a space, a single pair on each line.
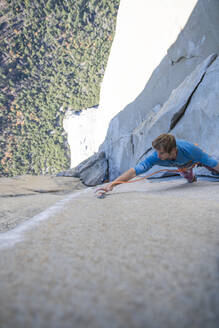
144, 32
200, 123
124, 261
92, 171
162, 121
163, 63
147, 254
191, 113
171, 99
137, 49
23, 197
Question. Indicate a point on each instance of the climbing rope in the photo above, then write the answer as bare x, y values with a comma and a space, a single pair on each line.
183, 169
149, 175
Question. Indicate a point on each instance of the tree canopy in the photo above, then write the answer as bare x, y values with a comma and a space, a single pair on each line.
53, 56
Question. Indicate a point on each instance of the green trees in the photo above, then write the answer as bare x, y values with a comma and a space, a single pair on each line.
52, 54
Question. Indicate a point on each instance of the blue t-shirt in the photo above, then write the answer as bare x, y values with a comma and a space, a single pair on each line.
187, 153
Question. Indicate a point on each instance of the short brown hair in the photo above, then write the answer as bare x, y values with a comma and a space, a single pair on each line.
165, 141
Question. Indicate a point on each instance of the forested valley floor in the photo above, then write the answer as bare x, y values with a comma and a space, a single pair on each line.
53, 56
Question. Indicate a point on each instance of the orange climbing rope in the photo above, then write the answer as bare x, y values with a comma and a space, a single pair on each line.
101, 194
149, 175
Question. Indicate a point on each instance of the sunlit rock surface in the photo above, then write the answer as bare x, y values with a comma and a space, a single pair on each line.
195, 42
193, 45
22, 197
144, 32
145, 256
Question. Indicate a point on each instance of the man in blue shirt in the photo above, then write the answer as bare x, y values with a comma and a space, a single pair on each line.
170, 152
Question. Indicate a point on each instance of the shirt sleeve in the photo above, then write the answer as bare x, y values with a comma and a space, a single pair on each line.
198, 155
146, 164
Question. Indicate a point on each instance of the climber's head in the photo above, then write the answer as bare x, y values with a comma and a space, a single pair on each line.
165, 145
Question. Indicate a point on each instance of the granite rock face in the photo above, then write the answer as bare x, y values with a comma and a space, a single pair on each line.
171, 112
195, 43
137, 49
126, 261
200, 123
93, 171
145, 30
23, 197
172, 97
190, 113
134, 146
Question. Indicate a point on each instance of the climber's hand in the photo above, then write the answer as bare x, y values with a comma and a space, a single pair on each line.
101, 191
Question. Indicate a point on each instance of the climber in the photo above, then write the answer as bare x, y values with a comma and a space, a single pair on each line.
169, 152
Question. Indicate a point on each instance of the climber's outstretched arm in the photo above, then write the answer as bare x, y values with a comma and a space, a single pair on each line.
126, 176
